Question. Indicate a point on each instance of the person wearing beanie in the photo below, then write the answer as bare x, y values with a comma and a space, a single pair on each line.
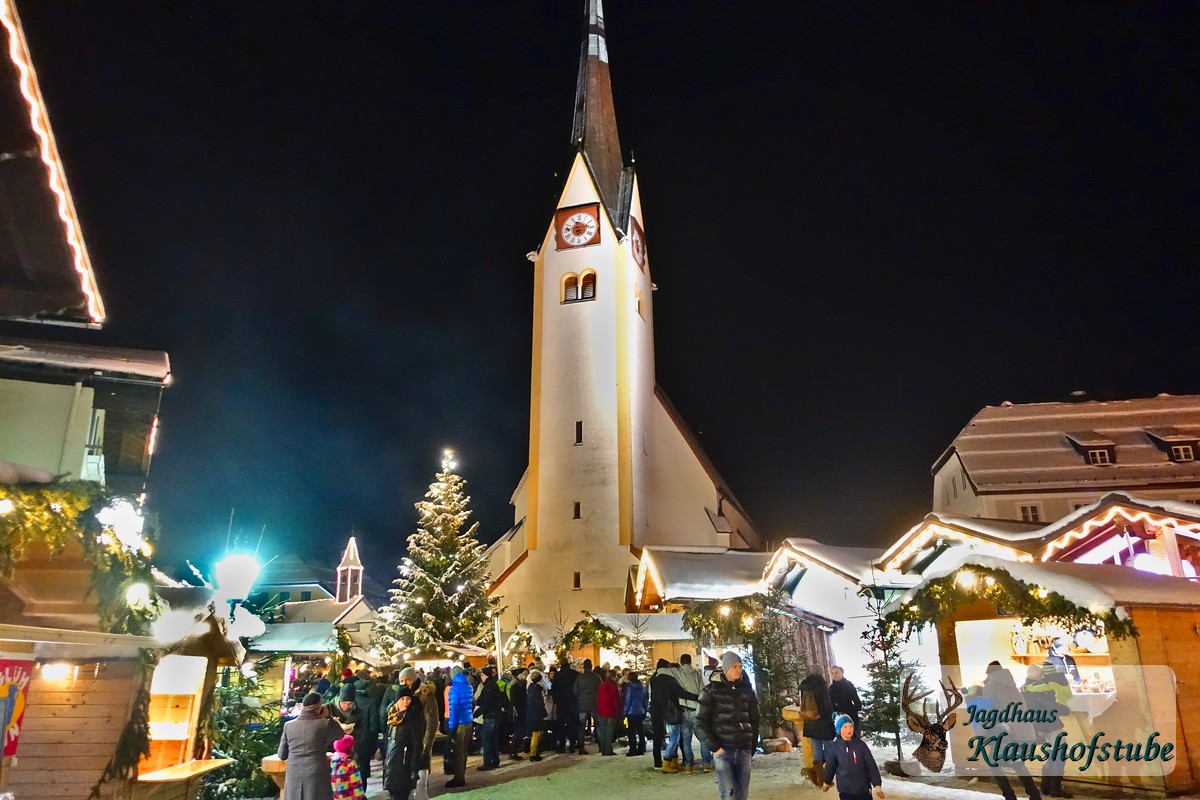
459, 718
634, 708
406, 718
304, 743
518, 692
535, 713
851, 761
345, 778
349, 714
727, 724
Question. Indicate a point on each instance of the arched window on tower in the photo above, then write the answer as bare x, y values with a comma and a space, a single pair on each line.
570, 288
588, 286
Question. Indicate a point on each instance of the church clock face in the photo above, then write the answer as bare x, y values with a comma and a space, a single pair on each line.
578, 226
637, 243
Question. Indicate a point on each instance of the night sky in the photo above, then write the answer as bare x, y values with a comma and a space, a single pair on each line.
866, 221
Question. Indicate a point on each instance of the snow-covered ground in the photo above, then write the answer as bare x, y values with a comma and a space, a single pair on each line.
775, 776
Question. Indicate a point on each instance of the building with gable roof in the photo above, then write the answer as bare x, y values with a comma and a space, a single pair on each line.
1038, 462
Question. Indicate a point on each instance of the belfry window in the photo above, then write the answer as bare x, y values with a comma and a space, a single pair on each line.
570, 288
588, 286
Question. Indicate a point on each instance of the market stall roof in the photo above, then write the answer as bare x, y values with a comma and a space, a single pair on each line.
295, 637
653, 627
45, 272
96, 361
699, 573
853, 563
1092, 586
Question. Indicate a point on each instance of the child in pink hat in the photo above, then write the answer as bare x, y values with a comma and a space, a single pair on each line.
343, 771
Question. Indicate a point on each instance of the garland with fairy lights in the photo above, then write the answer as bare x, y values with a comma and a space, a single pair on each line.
723, 621
941, 598
55, 515
588, 630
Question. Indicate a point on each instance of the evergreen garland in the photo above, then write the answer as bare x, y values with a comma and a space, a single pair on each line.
588, 630
57, 514
441, 593
778, 662
941, 597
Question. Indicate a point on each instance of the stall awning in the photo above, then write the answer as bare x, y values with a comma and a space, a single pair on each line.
296, 637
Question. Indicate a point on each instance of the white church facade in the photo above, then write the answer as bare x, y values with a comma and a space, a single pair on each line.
612, 467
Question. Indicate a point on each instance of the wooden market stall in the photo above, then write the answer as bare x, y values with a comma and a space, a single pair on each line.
1133, 636
74, 689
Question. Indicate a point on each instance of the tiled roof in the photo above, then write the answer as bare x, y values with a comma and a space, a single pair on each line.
1038, 445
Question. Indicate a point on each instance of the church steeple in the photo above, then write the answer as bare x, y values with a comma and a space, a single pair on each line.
595, 128
349, 573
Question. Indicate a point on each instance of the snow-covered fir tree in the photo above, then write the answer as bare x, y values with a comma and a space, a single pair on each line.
440, 595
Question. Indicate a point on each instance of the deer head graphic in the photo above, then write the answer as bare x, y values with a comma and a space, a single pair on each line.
932, 752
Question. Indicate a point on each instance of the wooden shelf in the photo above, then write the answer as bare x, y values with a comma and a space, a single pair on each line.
185, 771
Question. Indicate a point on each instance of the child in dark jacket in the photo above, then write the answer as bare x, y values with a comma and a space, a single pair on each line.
852, 762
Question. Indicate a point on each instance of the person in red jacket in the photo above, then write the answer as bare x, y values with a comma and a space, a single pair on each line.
608, 711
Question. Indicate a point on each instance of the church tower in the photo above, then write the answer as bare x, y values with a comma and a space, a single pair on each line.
611, 468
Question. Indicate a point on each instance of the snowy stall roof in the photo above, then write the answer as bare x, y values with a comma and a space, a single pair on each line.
1019, 538
1015, 447
854, 563
1177, 509
654, 627
295, 637
701, 573
117, 362
327, 610
1097, 587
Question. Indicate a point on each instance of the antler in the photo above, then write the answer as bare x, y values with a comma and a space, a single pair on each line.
909, 698
954, 699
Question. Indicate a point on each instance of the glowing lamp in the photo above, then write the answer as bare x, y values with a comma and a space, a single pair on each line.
726, 611
138, 595
234, 575
6, 505
56, 672
966, 579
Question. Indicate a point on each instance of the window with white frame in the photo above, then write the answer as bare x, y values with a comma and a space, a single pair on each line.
1031, 512
1183, 452
1099, 457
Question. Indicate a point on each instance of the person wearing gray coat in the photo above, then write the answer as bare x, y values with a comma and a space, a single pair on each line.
304, 743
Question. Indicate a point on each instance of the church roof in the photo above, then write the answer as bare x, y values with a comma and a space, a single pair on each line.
594, 130
1044, 445
45, 272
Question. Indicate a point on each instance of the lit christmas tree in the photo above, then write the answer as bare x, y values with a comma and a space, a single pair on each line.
440, 595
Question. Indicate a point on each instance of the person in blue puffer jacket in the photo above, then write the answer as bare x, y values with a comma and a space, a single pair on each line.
458, 723
851, 761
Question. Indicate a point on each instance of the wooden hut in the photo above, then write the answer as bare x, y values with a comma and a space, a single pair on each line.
75, 689
1127, 631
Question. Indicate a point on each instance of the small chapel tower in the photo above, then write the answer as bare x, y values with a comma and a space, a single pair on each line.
611, 467
349, 574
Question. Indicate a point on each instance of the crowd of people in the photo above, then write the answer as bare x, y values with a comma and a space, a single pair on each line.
695, 720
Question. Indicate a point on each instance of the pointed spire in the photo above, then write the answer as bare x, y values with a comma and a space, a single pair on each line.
595, 128
350, 556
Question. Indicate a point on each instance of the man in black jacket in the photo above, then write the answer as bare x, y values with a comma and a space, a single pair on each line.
727, 724
845, 698
406, 717
563, 691
490, 704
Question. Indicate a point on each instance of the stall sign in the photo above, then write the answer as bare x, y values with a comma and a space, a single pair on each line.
14, 689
